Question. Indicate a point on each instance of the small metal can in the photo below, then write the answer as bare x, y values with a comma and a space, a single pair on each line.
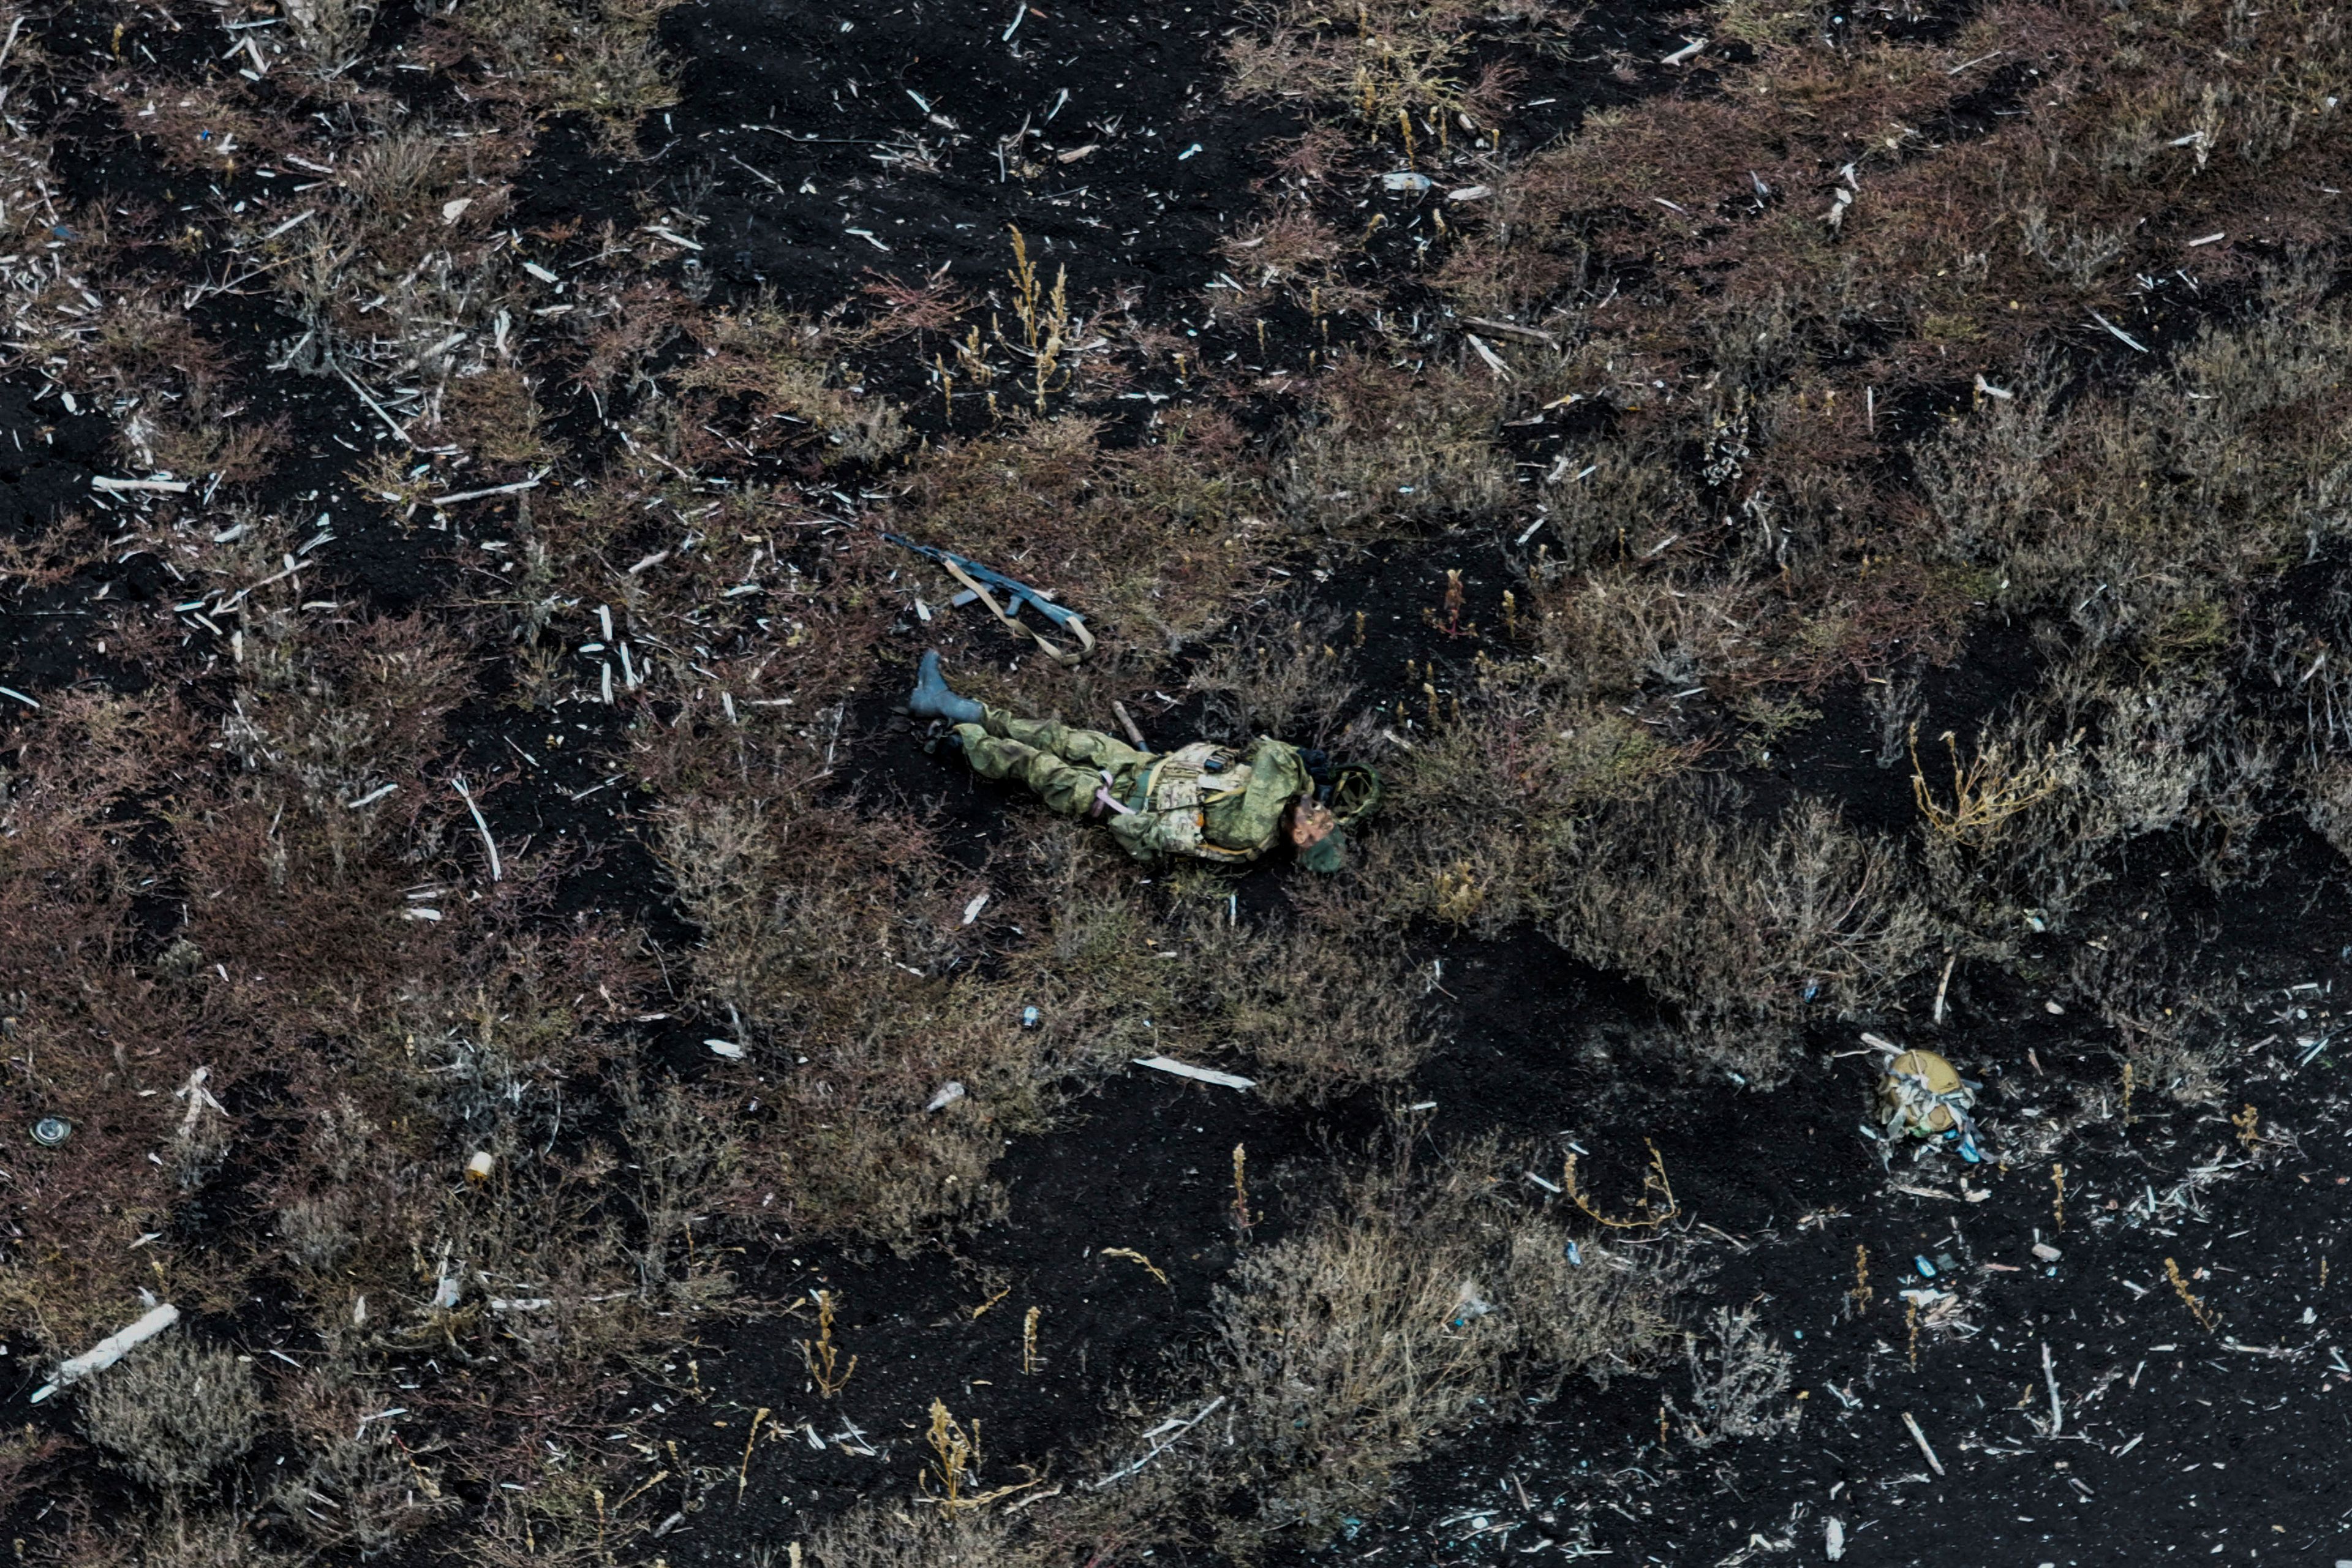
51, 1130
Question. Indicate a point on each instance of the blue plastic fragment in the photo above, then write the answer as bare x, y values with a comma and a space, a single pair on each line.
1575, 1255
1927, 1270
1029, 1017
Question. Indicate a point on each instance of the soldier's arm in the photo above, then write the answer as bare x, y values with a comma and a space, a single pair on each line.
1277, 777
1141, 834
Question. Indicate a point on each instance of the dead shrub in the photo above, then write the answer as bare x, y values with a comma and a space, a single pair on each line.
1419, 1299
683, 1159
1391, 65
2179, 756
1320, 1004
352, 1487
2327, 803
175, 1538
896, 1537
174, 1412
775, 370
493, 414
317, 1231
1620, 632
1739, 927
2174, 1044
1619, 502
1388, 447
1290, 249
1347, 1349
2137, 510
835, 938
1597, 1311
337, 716
328, 33
1485, 814
1147, 542
1268, 679
395, 280
1738, 1382
1989, 788
597, 59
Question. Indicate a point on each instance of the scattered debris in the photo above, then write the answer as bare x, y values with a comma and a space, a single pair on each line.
1511, 330
2129, 342
169, 487
1167, 1429
109, 1351
1204, 1075
1921, 1095
1920, 1437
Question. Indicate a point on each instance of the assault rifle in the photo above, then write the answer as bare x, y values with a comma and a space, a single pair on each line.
977, 579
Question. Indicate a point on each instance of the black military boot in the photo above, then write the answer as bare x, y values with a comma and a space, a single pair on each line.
931, 698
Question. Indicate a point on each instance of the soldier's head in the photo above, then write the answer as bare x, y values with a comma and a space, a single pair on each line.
1316, 836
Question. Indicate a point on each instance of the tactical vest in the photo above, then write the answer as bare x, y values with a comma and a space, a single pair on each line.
1171, 796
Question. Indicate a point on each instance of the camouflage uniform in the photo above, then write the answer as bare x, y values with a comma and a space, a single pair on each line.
1202, 800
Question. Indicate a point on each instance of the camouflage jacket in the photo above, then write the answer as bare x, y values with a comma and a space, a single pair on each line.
1206, 802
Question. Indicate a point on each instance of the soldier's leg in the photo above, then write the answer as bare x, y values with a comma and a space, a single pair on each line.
1063, 787
1088, 748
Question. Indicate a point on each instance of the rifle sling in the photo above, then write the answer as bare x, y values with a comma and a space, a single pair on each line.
1051, 649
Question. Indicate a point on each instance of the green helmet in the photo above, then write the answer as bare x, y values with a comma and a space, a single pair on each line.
1354, 793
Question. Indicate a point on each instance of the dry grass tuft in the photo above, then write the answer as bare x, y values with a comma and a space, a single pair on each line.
596, 59
1419, 1299
174, 1413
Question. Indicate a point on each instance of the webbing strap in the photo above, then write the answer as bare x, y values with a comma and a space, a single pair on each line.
1051, 649
1103, 797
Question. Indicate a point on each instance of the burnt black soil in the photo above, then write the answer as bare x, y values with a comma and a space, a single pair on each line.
2211, 1431
1118, 1226
819, 146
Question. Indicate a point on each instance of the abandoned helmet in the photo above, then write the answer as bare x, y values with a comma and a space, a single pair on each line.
1354, 793
1924, 1095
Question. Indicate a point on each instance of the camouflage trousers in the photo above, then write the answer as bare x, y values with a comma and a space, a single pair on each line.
1062, 765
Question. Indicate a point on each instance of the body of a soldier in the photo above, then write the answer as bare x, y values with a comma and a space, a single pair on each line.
1203, 801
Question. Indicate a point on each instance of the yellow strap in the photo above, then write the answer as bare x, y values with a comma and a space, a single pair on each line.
1053, 650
